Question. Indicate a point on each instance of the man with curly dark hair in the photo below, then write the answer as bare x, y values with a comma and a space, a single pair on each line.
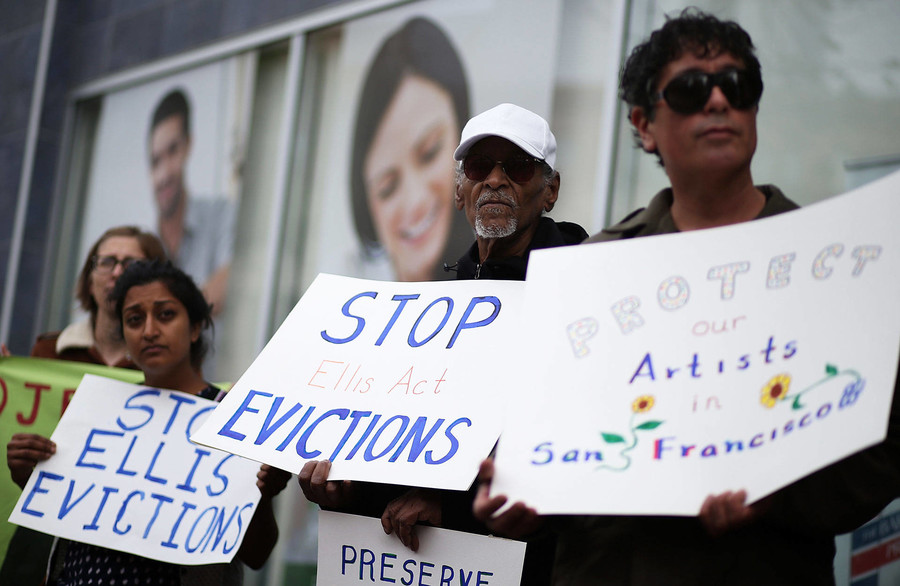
693, 92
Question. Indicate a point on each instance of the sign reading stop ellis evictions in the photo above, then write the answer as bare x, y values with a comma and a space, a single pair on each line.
125, 476
392, 382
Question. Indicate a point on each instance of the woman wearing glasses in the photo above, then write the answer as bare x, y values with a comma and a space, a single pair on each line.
412, 107
96, 340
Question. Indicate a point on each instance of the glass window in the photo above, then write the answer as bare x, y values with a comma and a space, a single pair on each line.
830, 94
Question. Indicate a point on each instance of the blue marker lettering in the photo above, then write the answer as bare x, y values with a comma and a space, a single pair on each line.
36, 489
245, 407
464, 325
93, 526
360, 322
87, 448
145, 408
454, 443
403, 299
411, 340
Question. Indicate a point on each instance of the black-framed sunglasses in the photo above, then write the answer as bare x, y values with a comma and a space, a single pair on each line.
106, 264
519, 169
689, 92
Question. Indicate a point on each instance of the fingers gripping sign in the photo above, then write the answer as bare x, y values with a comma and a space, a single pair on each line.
517, 521
415, 506
328, 494
271, 480
23, 452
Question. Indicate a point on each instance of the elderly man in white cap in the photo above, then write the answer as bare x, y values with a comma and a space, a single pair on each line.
506, 182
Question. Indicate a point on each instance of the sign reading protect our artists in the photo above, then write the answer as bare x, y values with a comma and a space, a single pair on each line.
685, 365
125, 476
393, 382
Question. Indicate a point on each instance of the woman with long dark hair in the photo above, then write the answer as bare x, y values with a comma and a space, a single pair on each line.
413, 104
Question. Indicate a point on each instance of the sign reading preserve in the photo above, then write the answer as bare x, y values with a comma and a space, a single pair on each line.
354, 550
392, 382
685, 365
125, 476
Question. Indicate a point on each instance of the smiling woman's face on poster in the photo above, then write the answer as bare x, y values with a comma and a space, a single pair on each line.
409, 177
413, 104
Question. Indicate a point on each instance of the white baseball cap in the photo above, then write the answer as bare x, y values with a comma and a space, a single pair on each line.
522, 127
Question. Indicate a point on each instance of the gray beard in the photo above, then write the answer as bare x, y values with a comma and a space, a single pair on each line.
483, 231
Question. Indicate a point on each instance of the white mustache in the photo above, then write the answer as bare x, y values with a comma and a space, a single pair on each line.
490, 195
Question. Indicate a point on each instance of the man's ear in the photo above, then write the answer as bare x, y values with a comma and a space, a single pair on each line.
457, 198
641, 124
552, 192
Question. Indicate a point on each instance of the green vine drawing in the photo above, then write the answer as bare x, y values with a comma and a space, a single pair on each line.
777, 388
640, 405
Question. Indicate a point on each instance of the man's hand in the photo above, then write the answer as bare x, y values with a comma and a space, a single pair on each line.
725, 512
313, 479
23, 452
271, 480
417, 505
517, 522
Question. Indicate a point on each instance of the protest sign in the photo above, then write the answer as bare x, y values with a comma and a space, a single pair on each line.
355, 550
684, 365
33, 394
875, 551
392, 382
125, 476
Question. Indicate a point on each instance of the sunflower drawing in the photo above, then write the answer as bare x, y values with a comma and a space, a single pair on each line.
627, 443
642, 404
775, 390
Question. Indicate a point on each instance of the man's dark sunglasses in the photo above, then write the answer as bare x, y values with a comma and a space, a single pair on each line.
519, 169
689, 92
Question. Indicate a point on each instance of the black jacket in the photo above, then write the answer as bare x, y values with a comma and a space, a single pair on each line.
549, 234
457, 507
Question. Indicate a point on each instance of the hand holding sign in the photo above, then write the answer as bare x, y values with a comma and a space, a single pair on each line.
328, 494
270, 480
518, 521
724, 512
417, 505
25, 451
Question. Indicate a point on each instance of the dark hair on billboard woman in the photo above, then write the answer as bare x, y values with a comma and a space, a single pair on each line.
404, 206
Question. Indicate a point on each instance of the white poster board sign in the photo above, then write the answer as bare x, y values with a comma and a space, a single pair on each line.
392, 382
125, 476
685, 365
354, 550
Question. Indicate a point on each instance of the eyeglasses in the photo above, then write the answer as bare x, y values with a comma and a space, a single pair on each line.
107, 264
689, 92
519, 169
